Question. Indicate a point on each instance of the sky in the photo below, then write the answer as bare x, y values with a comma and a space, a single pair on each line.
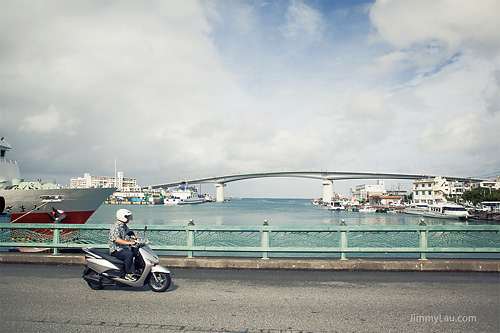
192, 89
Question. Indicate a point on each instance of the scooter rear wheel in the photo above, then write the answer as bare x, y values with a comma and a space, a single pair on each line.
160, 283
93, 284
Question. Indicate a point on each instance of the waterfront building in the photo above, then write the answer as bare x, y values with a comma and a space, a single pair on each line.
397, 192
386, 200
364, 192
126, 187
437, 189
120, 182
493, 184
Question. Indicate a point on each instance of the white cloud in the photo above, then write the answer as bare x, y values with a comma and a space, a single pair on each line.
179, 89
463, 133
48, 122
432, 33
369, 104
394, 61
454, 22
492, 93
302, 22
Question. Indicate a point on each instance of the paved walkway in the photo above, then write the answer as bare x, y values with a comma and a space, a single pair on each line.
433, 265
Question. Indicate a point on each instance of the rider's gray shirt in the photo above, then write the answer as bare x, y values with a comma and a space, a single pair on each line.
118, 230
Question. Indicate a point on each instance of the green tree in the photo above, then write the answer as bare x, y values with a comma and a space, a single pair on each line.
408, 197
480, 194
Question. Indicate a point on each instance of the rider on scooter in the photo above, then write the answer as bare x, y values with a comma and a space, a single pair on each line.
119, 241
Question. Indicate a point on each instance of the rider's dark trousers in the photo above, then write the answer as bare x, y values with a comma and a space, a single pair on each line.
128, 257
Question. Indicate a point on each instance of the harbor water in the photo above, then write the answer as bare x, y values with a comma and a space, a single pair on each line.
278, 212
253, 212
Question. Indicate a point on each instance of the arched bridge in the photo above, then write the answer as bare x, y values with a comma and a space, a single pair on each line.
326, 176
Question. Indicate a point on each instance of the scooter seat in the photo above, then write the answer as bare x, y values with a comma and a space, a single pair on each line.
105, 254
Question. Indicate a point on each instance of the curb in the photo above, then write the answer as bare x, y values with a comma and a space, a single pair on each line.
312, 264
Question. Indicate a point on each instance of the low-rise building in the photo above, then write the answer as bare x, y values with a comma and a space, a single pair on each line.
386, 200
365, 191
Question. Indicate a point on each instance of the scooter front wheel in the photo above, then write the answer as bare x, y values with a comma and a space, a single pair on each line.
159, 282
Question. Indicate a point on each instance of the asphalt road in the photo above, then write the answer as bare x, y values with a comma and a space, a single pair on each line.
55, 299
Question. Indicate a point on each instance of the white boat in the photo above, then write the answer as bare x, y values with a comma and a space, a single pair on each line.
336, 205
192, 200
367, 209
170, 201
34, 202
184, 195
317, 202
417, 208
447, 210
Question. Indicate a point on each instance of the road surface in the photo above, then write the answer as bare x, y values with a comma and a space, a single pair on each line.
39, 298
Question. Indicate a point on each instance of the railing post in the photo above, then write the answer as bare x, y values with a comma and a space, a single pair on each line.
265, 240
343, 241
423, 241
56, 236
190, 238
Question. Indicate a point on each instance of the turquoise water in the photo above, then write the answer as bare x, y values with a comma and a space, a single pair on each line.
253, 212
278, 212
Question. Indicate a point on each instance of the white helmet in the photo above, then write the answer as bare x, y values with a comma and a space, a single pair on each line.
123, 214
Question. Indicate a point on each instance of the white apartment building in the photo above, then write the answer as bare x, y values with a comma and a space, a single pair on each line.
436, 189
125, 185
495, 183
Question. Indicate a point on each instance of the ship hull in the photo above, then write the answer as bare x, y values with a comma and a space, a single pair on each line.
77, 204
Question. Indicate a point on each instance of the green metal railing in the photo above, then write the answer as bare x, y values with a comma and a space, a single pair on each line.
265, 239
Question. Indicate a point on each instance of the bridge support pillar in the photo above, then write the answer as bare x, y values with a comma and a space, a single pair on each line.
220, 191
327, 190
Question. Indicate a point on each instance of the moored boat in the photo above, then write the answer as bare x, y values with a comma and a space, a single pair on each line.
367, 209
34, 202
447, 210
417, 208
39, 205
184, 195
170, 201
192, 200
336, 206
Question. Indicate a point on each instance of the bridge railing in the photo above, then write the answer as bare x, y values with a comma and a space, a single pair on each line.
265, 239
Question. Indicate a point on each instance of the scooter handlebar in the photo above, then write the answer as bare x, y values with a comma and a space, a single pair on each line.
141, 241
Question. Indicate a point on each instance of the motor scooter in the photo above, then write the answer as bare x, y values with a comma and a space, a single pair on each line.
103, 269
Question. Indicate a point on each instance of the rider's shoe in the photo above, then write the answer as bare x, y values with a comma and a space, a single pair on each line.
130, 277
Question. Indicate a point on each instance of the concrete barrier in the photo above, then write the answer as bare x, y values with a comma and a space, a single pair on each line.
354, 264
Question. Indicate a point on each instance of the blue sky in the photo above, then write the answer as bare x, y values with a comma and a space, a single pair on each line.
191, 89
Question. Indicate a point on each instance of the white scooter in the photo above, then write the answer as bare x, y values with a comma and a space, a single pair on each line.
103, 269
